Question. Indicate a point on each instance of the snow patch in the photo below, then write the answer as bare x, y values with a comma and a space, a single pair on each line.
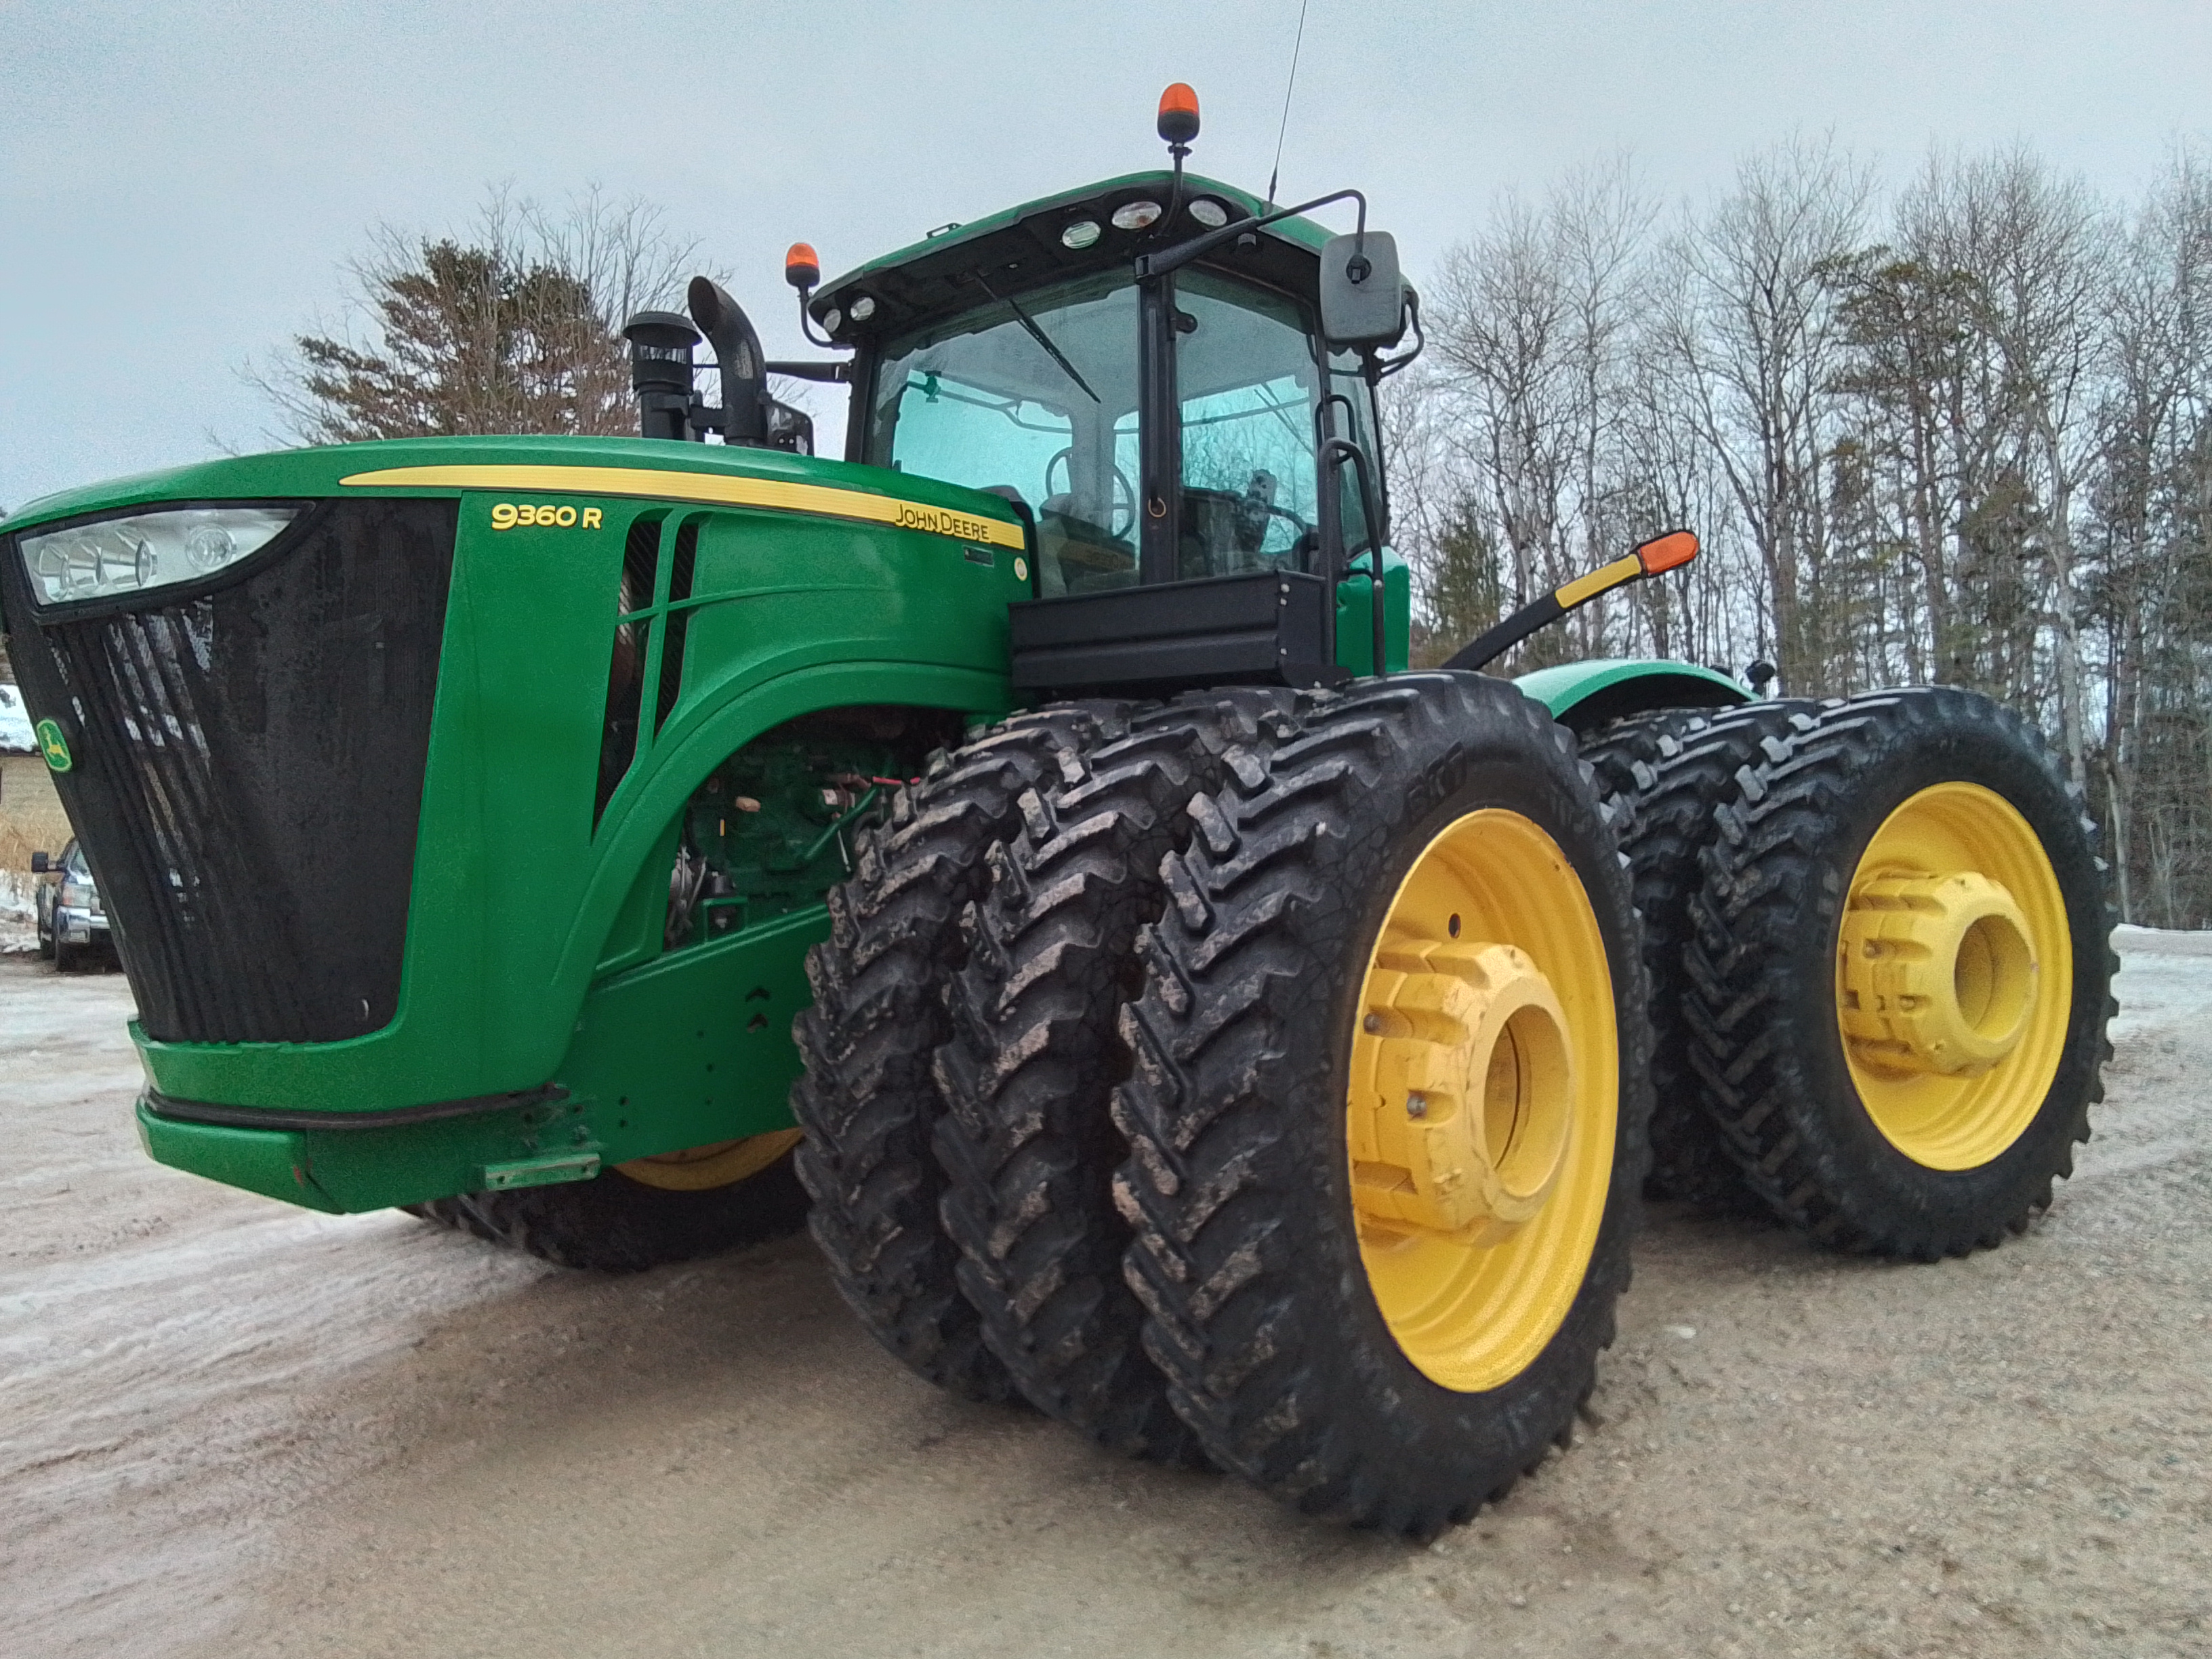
2164, 977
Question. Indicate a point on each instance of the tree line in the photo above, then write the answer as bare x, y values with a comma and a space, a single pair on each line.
1958, 432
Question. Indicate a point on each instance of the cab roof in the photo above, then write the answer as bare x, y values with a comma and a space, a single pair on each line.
1020, 248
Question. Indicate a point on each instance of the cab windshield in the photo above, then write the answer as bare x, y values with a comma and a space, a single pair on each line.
1040, 393
981, 400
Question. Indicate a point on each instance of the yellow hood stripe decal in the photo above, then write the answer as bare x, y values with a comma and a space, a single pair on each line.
719, 490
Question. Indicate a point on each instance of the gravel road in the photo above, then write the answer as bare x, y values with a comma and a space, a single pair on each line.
230, 1427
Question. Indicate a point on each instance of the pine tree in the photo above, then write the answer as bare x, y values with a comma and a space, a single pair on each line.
513, 326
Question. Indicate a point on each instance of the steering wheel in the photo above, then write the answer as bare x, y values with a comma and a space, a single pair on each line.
1121, 512
1252, 520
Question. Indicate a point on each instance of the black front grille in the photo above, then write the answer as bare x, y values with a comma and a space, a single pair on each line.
247, 772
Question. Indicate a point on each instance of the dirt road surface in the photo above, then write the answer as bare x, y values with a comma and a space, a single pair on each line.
228, 1427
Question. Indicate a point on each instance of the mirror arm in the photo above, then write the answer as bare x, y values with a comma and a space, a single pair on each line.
1381, 368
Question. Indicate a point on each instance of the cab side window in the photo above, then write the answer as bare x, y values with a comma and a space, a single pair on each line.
1249, 388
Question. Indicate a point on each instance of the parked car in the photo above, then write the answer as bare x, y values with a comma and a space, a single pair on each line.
72, 921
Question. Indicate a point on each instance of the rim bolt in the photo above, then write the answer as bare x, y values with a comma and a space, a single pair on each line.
1417, 1105
1372, 1023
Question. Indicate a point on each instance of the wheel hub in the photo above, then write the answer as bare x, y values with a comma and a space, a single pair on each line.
1937, 974
1468, 1103
720, 1164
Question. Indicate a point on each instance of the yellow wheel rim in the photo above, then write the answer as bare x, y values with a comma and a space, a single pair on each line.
720, 1164
1483, 1101
1955, 977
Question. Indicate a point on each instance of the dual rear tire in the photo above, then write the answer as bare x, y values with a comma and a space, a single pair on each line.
1898, 975
1876, 931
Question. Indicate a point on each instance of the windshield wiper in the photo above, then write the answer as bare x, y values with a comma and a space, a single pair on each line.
1039, 336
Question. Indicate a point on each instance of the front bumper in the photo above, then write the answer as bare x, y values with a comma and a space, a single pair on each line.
354, 1165
74, 926
692, 1048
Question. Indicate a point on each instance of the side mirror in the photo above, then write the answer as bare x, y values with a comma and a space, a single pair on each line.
40, 864
1362, 297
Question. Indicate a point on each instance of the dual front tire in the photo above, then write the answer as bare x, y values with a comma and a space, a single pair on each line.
1371, 1036
1386, 1116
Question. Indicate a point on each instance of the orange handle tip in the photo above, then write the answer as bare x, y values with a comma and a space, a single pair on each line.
1668, 552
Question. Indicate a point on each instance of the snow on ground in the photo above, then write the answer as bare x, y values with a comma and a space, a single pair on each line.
19, 916
2164, 976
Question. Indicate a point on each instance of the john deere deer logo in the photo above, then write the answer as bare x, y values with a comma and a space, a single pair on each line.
53, 745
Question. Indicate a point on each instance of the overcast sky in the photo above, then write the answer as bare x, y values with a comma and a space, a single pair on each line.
180, 183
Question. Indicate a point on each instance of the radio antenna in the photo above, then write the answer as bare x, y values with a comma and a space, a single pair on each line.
1275, 173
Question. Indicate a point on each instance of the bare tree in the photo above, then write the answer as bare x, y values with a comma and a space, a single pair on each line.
1753, 334
2150, 489
2034, 247
1502, 318
1536, 329
1968, 441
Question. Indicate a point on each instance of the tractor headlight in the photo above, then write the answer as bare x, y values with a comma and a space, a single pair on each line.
106, 557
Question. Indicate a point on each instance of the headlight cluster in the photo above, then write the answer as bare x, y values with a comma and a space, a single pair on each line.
109, 557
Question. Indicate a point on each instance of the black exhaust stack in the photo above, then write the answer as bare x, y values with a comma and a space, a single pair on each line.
744, 365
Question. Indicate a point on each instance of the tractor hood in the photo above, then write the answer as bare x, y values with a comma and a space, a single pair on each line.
382, 799
708, 474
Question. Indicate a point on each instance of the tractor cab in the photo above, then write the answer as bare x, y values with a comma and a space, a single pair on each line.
1158, 429
1011, 355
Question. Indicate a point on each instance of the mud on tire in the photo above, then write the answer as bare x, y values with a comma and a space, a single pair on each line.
1238, 1185
867, 1099
1028, 1143
1762, 966
1674, 768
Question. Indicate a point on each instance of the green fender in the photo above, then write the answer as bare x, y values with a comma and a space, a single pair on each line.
1586, 695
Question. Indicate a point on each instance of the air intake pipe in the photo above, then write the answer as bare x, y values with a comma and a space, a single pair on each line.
660, 345
738, 354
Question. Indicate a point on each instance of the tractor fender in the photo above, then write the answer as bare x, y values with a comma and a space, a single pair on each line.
1585, 695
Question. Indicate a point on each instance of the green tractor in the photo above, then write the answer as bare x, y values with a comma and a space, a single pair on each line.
1022, 838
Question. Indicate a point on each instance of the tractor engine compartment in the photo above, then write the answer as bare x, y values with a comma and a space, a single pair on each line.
771, 829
